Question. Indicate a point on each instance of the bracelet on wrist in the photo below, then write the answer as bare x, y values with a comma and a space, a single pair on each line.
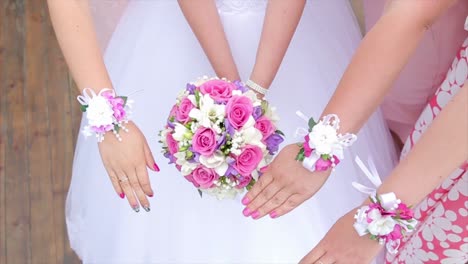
323, 146
386, 219
105, 112
256, 87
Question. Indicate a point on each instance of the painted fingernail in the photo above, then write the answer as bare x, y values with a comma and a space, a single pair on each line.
255, 215
122, 195
147, 208
150, 195
273, 214
156, 167
245, 200
263, 169
136, 208
246, 212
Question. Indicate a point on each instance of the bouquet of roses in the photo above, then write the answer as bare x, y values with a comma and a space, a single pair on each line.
220, 135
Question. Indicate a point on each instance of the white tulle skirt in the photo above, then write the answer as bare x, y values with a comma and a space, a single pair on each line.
153, 49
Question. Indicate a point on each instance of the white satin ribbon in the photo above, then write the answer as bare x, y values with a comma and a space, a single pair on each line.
89, 94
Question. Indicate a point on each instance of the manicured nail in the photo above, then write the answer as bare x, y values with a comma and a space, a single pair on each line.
147, 208
263, 169
156, 167
150, 195
136, 208
273, 215
255, 215
122, 195
246, 212
245, 200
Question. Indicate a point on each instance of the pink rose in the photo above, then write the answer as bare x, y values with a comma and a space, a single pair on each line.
172, 144
248, 160
184, 109
244, 181
239, 109
204, 141
265, 126
219, 90
307, 149
395, 234
173, 112
405, 212
190, 179
322, 165
204, 177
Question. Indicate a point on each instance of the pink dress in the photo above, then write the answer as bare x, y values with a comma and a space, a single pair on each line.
441, 235
426, 69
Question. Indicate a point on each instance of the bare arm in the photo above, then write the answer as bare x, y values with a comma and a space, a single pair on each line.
204, 20
281, 20
77, 38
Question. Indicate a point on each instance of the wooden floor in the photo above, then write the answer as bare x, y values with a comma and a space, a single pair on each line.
38, 124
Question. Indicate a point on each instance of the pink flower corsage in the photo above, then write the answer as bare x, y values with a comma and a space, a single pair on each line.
386, 219
323, 147
105, 112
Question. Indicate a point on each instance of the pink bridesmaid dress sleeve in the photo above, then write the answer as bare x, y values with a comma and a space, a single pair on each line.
426, 69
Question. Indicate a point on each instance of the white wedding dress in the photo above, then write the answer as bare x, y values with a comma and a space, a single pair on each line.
154, 50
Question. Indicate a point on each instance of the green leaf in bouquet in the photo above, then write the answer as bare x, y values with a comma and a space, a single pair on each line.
200, 192
325, 156
250, 185
264, 107
301, 155
116, 128
83, 108
279, 132
197, 98
188, 154
312, 123
124, 98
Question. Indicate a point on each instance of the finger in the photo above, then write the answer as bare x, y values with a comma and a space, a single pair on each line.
143, 179
124, 182
326, 258
115, 181
264, 196
292, 202
313, 255
257, 188
135, 184
149, 158
270, 207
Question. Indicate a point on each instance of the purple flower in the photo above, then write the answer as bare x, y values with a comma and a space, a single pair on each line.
257, 112
273, 143
191, 88
240, 87
170, 157
221, 141
229, 128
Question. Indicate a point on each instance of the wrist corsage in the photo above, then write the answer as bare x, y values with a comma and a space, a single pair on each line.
323, 146
386, 219
105, 112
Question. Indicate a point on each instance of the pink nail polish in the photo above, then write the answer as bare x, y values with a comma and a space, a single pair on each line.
263, 169
246, 212
273, 215
150, 195
245, 200
255, 215
122, 195
156, 167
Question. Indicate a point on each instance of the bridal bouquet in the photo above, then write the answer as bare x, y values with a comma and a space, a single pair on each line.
220, 135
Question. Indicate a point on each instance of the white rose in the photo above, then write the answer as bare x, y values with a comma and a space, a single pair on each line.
323, 139
252, 136
382, 226
99, 112
217, 161
209, 112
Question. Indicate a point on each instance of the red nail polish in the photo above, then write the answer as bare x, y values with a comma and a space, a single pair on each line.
273, 215
156, 167
122, 195
255, 215
246, 212
245, 200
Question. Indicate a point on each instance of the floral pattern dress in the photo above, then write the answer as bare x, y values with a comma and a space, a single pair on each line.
442, 233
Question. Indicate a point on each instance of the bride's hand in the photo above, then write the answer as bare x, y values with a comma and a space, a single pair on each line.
284, 185
342, 244
126, 163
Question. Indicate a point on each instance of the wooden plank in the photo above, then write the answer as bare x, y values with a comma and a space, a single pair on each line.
61, 134
3, 131
43, 227
18, 247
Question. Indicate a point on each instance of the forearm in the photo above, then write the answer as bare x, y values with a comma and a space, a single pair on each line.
281, 20
380, 58
205, 22
440, 150
75, 32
